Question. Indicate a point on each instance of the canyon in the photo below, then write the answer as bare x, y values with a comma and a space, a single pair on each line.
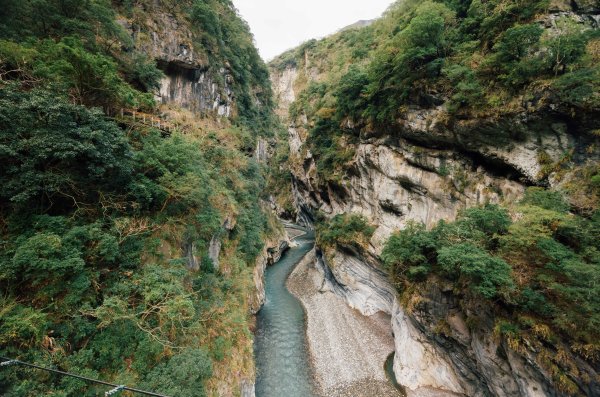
247, 249
426, 170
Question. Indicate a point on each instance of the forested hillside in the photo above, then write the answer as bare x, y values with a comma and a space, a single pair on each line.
457, 142
112, 193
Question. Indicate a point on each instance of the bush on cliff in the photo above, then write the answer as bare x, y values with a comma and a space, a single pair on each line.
346, 229
545, 263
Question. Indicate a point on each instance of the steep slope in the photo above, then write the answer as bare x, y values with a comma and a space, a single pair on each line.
133, 229
439, 107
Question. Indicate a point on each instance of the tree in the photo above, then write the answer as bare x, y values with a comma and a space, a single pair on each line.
417, 52
351, 94
348, 229
515, 55
517, 42
183, 375
481, 272
55, 153
409, 252
144, 73
567, 46
88, 19
91, 77
467, 89
490, 219
547, 199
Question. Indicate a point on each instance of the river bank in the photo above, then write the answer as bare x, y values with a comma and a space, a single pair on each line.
347, 350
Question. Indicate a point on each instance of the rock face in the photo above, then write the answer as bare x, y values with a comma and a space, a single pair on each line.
274, 248
364, 287
437, 353
196, 89
428, 170
265, 149
283, 87
214, 247
347, 349
189, 253
189, 81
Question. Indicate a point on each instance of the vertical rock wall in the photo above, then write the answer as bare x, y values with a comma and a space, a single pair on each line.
427, 171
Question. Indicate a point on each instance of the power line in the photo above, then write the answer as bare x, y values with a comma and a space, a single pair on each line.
115, 388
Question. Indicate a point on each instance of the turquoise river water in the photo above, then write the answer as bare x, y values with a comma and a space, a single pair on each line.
280, 344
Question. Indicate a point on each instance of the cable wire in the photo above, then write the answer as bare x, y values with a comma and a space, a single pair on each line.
11, 362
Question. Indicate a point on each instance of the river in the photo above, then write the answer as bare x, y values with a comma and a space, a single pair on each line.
281, 353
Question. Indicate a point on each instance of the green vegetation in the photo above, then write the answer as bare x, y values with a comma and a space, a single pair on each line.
466, 69
485, 47
229, 43
539, 272
346, 229
415, 53
105, 223
483, 273
477, 58
72, 47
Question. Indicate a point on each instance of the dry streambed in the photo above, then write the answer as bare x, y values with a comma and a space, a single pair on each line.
347, 350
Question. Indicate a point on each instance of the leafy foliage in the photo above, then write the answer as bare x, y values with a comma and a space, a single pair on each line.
183, 375
87, 19
512, 55
409, 252
332, 153
230, 44
483, 273
470, 56
545, 263
57, 150
550, 200
416, 52
104, 223
347, 229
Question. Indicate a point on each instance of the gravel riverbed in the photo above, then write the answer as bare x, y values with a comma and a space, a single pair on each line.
347, 350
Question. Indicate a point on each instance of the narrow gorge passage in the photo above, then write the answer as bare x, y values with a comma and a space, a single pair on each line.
282, 360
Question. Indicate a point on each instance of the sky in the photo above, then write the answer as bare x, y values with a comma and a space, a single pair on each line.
279, 25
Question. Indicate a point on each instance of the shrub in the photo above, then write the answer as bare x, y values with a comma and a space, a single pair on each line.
351, 93
204, 15
535, 301
144, 73
579, 88
517, 42
43, 255
348, 229
467, 89
182, 375
57, 151
417, 52
20, 326
409, 252
567, 46
481, 272
547, 199
329, 148
490, 219
515, 55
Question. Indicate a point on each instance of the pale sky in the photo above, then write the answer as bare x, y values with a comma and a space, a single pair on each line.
279, 25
